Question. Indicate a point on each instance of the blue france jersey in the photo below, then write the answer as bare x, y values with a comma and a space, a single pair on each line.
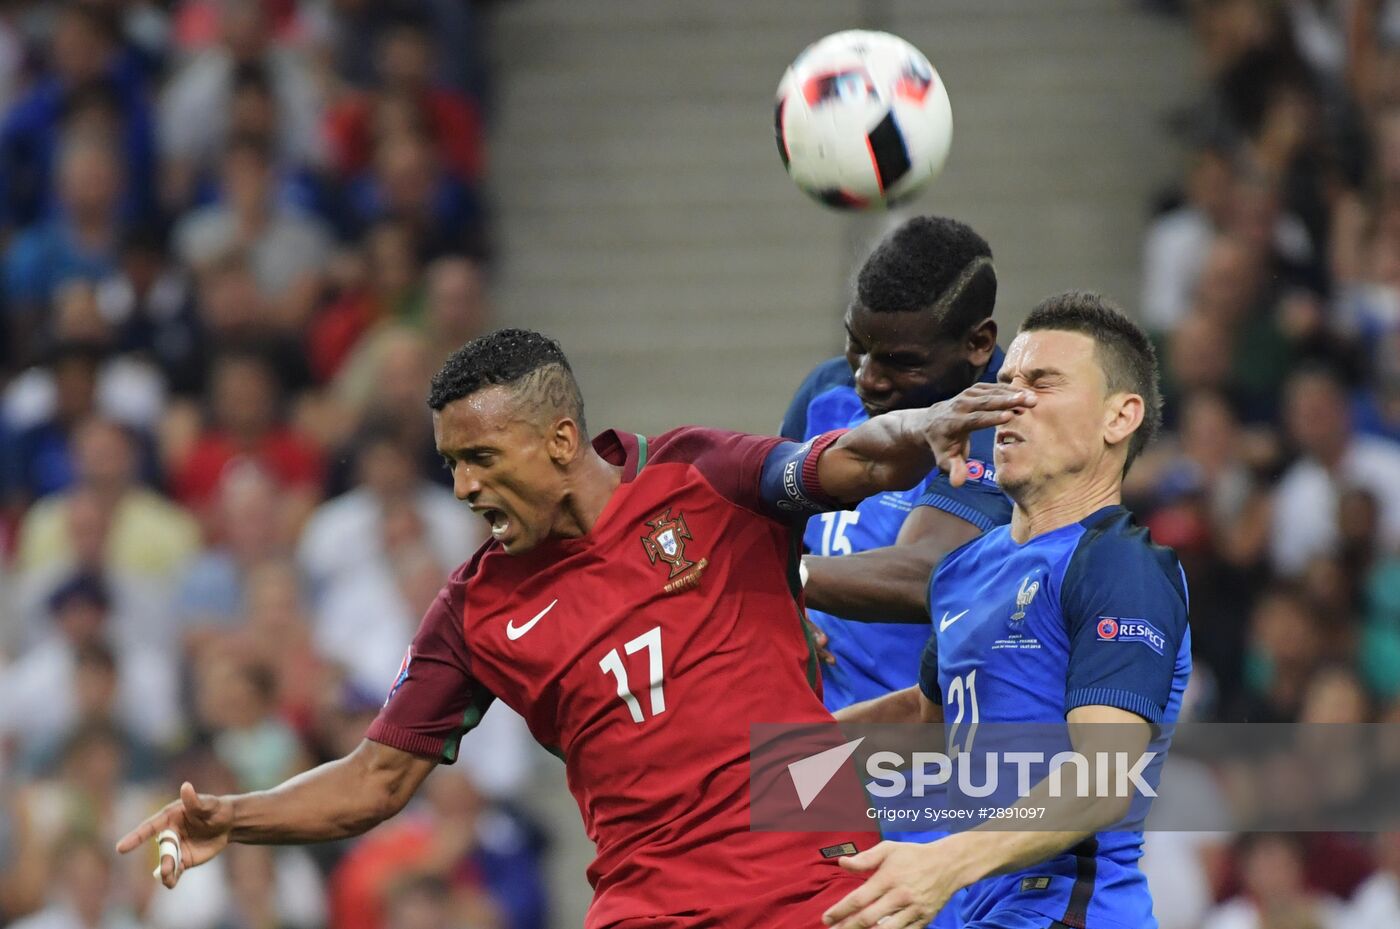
873, 659
1090, 613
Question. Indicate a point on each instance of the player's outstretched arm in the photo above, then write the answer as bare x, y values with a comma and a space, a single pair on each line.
896, 450
335, 800
900, 706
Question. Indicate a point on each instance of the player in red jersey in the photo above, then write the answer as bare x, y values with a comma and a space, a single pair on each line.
638, 605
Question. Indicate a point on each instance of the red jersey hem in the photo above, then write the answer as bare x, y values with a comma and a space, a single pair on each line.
415, 742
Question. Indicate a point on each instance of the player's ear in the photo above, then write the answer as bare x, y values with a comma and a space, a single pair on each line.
981, 342
563, 440
1123, 415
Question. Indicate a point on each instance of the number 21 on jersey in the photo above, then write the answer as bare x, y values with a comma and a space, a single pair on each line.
611, 663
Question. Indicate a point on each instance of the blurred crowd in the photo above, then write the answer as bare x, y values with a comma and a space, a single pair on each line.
236, 239
1271, 280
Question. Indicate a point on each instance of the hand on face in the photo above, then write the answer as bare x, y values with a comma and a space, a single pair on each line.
948, 426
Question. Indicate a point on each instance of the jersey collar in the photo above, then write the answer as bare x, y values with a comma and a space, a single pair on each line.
628, 450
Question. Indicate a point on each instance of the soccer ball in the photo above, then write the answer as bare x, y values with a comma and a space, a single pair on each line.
862, 120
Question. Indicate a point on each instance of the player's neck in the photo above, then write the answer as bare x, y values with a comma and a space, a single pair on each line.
590, 489
1054, 507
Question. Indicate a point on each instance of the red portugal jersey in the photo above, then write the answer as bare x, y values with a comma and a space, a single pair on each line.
641, 653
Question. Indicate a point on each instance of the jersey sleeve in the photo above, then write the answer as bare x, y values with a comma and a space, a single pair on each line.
434, 700
1124, 603
766, 474
983, 505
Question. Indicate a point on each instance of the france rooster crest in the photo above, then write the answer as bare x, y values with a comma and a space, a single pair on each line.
1024, 596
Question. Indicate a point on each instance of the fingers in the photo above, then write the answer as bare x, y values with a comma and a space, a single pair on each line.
852, 903
171, 853
907, 918
984, 419
197, 805
867, 860
994, 397
890, 910
957, 470
142, 833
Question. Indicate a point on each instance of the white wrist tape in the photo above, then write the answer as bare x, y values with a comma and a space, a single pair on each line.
802, 570
168, 844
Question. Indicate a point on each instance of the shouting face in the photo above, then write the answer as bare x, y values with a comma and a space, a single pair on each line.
507, 463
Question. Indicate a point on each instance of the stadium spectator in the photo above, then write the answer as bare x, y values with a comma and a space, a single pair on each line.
128, 388
39, 459
406, 68
147, 534
485, 855
95, 700
277, 631
149, 303
456, 309
387, 479
1377, 901
235, 701
1332, 458
233, 312
286, 248
1177, 241
245, 420
354, 29
245, 533
1276, 891
380, 286
384, 381
37, 689
84, 889
409, 184
195, 105
1283, 652
88, 71
366, 620
79, 241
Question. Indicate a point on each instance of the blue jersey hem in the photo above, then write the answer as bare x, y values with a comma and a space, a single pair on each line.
1111, 696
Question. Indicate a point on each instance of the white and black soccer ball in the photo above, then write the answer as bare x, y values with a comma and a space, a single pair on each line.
863, 120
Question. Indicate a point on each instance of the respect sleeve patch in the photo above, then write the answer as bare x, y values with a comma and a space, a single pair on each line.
1116, 629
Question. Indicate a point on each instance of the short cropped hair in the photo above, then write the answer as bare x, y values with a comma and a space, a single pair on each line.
1123, 350
931, 264
530, 363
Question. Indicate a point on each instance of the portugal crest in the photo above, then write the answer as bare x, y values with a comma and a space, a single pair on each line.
666, 543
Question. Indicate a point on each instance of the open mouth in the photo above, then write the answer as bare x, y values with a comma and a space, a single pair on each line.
496, 519
1007, 437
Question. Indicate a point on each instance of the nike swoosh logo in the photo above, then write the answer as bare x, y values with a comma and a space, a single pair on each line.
948, 621
514, 632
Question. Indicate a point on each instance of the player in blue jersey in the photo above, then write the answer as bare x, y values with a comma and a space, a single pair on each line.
919, 330
1070, 612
